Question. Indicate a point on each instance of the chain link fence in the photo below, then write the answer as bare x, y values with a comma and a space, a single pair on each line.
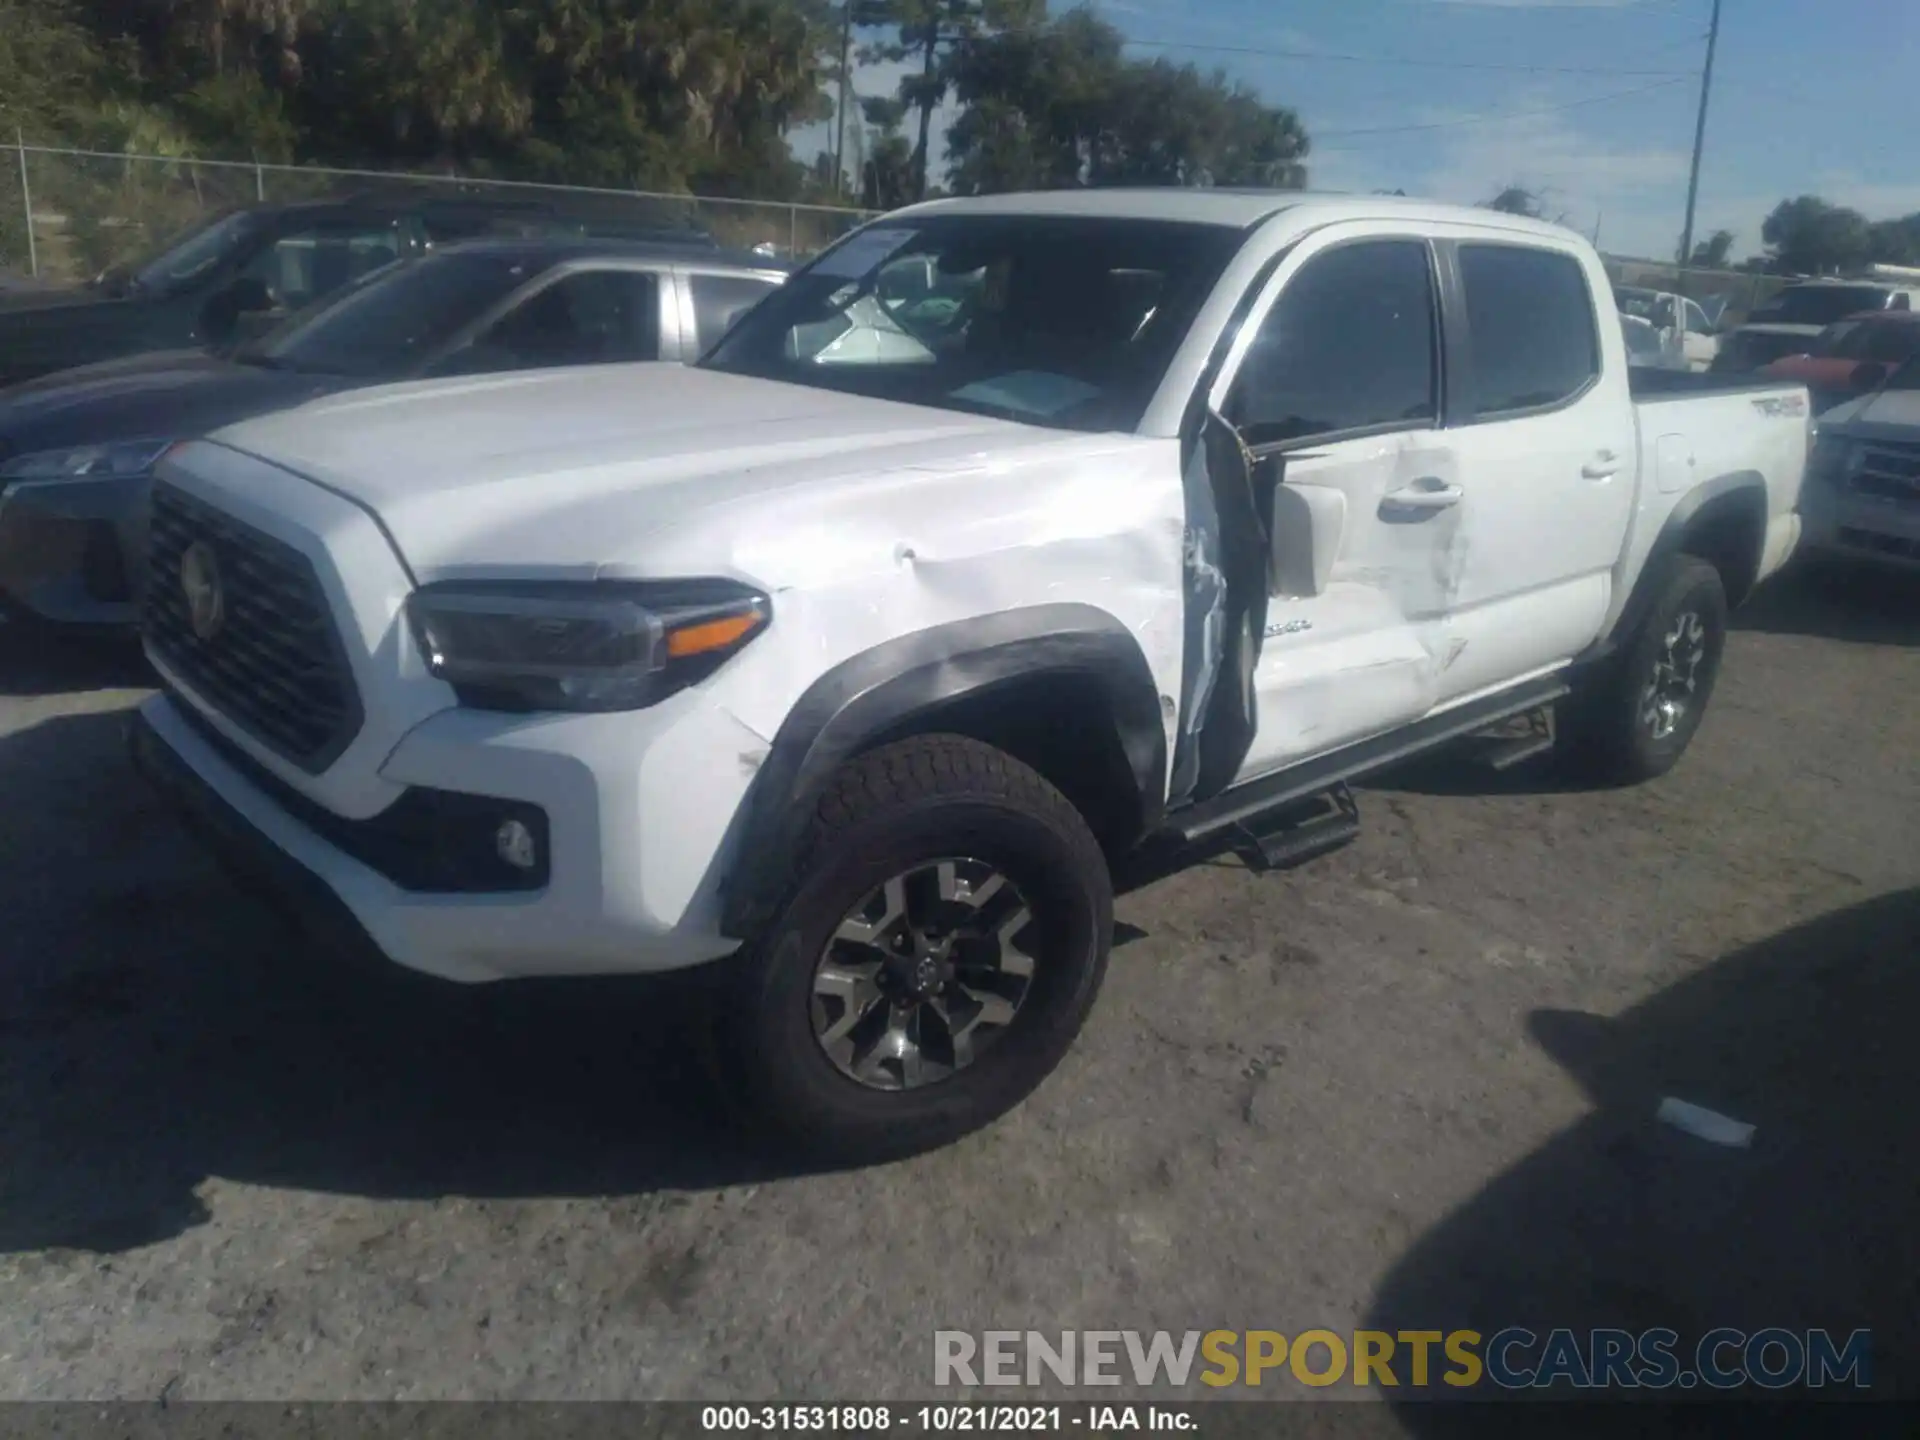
66, 215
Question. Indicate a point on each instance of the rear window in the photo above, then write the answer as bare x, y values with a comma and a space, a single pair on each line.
1534, 341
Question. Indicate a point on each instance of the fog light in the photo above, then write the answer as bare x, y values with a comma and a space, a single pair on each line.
514, 843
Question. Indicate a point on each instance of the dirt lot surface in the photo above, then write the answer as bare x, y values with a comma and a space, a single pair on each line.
1412, 1084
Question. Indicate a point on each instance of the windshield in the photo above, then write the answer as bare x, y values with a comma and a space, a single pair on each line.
1062, 321
189, 256
394, 318
1818, 304
1907, 377
1645, 305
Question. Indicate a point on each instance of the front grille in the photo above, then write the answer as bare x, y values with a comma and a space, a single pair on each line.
274, 665
1889, 472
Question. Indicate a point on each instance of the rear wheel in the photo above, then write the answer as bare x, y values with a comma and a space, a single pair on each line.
1633, 719
939, 949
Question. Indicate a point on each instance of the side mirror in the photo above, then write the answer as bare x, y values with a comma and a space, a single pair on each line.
1867, 375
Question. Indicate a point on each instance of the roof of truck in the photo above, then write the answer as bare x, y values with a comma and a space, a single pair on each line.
1225, 206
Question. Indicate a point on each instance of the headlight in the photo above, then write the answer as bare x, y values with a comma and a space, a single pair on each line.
600, 646
118, 457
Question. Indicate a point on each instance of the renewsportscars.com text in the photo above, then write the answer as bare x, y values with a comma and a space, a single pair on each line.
1511, 1359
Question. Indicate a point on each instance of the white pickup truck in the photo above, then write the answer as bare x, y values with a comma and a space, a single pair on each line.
855, 672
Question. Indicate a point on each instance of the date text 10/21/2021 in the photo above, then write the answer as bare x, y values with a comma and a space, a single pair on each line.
947, 1419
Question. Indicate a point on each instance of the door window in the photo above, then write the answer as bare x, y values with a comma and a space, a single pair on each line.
1697, 320
301, 266
591, 317
718, 301
1534, 342
1348, 346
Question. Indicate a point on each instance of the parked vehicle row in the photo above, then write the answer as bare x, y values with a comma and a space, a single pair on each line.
1792, 321
241, 272
77, 448
1009, 544
1862, 500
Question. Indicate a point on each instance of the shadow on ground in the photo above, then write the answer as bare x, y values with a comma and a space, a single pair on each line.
1623, 1222
158, 1028
1835, 602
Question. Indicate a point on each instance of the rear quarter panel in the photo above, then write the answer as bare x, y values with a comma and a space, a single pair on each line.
1692, 441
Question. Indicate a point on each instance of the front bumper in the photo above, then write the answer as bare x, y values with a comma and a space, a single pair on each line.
600, 910
1842, 525
69, 549
243, 850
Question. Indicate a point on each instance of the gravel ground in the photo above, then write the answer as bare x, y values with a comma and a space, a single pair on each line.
1412, 1083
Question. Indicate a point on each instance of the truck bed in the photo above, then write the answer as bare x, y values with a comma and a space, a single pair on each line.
1649, 386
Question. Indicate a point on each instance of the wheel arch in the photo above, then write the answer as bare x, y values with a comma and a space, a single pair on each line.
1065, 688
1722, 521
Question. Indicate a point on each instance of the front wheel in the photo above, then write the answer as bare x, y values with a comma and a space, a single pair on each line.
1634, 719
940, 947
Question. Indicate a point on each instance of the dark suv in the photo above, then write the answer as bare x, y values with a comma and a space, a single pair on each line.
243, 271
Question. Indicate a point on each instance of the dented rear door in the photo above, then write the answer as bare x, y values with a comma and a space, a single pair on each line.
1543, 432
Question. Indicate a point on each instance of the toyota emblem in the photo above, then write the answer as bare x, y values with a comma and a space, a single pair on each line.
200, 584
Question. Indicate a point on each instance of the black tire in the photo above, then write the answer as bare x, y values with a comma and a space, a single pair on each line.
1607, 732
914, 803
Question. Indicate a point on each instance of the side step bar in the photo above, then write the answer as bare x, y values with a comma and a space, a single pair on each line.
1275, 843
1241, 805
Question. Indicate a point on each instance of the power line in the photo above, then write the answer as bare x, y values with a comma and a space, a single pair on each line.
1492, 118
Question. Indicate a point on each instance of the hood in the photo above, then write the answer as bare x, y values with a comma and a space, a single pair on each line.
541, 470
1885, 414
170, 393
46, 331
32, 296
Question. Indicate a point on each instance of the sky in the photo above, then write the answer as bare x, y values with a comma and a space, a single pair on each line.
1590, 102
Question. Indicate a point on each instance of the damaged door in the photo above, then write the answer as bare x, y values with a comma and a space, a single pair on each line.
1352, 548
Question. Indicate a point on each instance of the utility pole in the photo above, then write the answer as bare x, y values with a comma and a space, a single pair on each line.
1699, 141
846, 88
926, 105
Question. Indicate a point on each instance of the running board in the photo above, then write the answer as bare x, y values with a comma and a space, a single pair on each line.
1287, 842
1241, 804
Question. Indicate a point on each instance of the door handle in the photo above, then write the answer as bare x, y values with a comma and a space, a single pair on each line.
1603, 466
1426, 496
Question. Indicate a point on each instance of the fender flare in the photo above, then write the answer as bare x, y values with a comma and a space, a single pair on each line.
884, 689
1671, 541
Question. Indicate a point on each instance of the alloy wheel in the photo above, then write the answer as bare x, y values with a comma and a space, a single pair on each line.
924, 975
1671, 686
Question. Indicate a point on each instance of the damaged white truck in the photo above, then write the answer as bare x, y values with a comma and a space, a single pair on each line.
1013, 539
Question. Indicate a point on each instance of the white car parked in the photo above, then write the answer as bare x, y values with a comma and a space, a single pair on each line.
858, 681
1687, 339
